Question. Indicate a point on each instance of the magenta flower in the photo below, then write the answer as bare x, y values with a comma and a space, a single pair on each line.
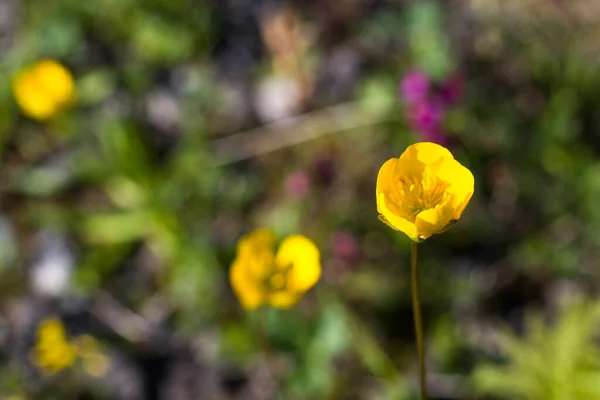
345, 247
298, 183
426, 118
426, 115
414, 88
426, 103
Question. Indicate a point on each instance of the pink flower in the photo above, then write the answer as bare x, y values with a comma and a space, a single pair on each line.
426, 104
426, 118
345, 247
298, 183
414, 87
426, 115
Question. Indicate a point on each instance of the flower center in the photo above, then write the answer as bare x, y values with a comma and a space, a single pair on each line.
412, 195
277, 279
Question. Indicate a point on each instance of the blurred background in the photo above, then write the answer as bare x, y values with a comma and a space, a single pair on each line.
194, 122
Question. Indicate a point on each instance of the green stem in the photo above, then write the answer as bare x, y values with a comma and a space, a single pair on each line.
267, 349
416, 300
263, 333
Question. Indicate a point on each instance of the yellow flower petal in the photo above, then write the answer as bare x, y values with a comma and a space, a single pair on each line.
55, 79
301, 254
257, 240
463, 186
424, 191
430, 222
52, 350
426, 152
394, 220
34, 103
259, 277
386, 176
461, 206
245, 286
283, 299
257, 251
43, 89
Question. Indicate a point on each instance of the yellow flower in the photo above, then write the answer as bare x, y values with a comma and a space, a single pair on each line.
52, 351
259, 276
95, 363
424, 191
43, 89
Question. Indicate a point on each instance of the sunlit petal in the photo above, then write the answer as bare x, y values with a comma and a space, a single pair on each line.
424, 191
301, 254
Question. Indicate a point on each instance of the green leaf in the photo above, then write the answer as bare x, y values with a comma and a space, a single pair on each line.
95, 86
428, 42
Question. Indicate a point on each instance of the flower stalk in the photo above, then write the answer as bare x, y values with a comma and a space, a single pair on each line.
422, 193
267, 350
416, 301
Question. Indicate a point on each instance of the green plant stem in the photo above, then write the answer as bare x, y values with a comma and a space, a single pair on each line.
263, 333
267, 349
416, 301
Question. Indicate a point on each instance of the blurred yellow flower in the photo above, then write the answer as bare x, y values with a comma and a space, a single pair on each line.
43, 89
95, 363
52, 351
259, 276
424, 191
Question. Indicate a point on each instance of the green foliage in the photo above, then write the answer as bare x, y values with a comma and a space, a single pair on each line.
559, 361
317, 376
128, 176
428, 42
